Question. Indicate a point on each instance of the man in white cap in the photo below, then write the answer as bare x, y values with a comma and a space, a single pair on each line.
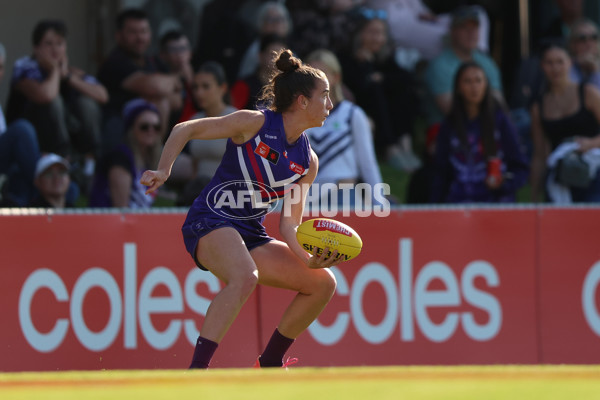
52, 181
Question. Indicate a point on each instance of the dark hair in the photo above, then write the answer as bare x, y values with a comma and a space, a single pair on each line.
269, 39
366, 16
46, 25
293, 79
173, 34
215, 69
487, 113
130, 13
552, 43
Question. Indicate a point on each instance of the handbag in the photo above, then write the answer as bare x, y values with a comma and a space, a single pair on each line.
573, 171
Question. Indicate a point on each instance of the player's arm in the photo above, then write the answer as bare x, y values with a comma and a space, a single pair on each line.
291, 217
239, 126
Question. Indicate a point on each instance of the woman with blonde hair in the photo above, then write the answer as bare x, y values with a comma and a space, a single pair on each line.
344, 144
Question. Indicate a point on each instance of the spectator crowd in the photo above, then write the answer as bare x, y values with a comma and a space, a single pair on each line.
415, 91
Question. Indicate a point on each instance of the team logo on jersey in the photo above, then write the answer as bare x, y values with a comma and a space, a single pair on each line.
228, 198
297, 168
267, 153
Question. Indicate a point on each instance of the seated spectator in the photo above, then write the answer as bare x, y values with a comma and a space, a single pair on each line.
344, 144
52, 181
585, 52
462, 47
235, 24
175, 57
569, 11
19, 152
273, 18
565, 120
322, 24
60, 100
477, 155
245, 92
129, 72
385, 91
414, 26
117, 179
212, 95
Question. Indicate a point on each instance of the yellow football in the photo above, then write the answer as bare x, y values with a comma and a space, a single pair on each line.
325, 232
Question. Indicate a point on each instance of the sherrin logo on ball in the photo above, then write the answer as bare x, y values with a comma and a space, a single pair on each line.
325, 232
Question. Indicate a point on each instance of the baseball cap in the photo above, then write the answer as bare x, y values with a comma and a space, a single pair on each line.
47, 160
465, 13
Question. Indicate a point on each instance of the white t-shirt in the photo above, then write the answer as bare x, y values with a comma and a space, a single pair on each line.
344, 145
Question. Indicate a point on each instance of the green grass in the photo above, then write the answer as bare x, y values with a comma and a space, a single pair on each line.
398, 181
448, 383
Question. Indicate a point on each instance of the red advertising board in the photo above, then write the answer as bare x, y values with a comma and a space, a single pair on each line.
106, 291
569, 278
443, 286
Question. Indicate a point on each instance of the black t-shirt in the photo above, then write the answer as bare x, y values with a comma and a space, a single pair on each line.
117, 67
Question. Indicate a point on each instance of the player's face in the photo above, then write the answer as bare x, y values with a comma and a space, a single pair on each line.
146, 129
207, 91
556, 64
135, 36
319, 103
51, 49
472, 84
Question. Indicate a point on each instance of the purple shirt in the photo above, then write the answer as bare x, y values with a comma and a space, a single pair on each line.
459, 175
254, 174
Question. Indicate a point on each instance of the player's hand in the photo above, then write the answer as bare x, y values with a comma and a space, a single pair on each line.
153, 179
322, 261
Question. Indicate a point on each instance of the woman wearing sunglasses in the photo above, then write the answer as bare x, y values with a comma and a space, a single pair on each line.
116, 182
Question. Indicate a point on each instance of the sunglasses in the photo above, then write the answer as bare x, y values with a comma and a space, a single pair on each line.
145, 127
583, 37
370, 13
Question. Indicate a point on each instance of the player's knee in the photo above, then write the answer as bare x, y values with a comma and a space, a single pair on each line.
327, 283
245, 283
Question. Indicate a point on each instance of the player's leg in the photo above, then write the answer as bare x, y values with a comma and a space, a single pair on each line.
279, 267
223, 253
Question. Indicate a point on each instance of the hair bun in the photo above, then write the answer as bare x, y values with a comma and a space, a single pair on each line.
287, 62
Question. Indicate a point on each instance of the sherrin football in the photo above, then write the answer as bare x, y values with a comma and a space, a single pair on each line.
324, 232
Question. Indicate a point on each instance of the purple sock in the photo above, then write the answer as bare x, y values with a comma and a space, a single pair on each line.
275, 350
203, 353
